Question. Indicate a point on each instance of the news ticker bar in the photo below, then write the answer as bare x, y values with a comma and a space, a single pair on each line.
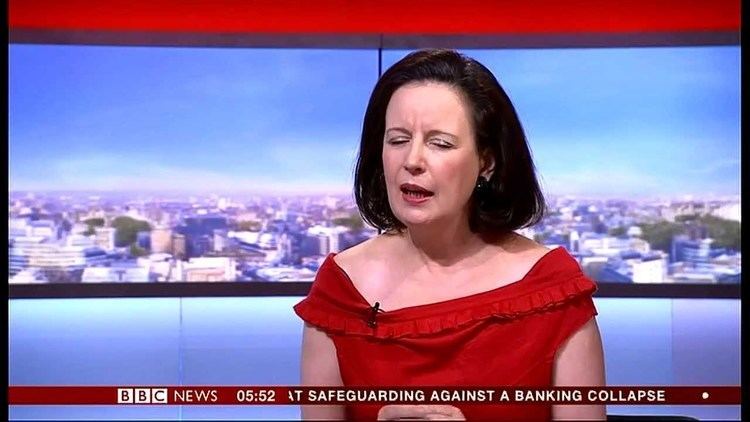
291, 395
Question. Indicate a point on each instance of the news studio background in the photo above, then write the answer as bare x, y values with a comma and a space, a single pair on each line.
152, 164
159, 165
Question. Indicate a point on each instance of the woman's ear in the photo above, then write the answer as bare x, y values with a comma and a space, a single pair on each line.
487, 166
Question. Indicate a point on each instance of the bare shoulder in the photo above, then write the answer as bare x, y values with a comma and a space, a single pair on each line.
365, 257
519, 255
526, 250
349, 256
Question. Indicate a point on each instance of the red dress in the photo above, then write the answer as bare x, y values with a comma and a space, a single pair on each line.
507, 336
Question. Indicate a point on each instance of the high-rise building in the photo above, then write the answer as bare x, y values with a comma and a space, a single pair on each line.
649, 270
143, 240
161, 240
220, 240
198, 245
104, 237
324, 245
45, 228
603, 245
574, 241
329, 238
179, 246
198, 231
696, 252
210, 269
44, 253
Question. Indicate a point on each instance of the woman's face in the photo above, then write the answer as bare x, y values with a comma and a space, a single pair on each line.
429, 142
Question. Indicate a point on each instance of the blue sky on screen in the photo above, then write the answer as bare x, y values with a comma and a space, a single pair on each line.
600, 122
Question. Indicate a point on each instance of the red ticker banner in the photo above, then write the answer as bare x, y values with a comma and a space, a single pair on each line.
290, 395
382, 16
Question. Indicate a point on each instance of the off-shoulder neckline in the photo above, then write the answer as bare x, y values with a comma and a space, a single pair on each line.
447, 304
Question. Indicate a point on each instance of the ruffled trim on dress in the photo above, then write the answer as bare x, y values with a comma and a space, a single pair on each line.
397, 324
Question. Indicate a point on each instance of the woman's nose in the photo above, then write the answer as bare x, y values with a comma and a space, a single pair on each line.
415, 158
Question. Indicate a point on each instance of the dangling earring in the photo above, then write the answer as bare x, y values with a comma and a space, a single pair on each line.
482, 186
482, 191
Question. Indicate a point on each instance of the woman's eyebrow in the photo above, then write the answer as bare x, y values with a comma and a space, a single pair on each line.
430, 133
398, 129
440, 132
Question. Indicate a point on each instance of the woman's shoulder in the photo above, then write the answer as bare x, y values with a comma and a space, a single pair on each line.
365, 256
525, 249
519, 255
368, 265
551, 269
334, 302
528, 248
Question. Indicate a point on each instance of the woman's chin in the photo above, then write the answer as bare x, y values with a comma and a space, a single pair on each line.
412, 221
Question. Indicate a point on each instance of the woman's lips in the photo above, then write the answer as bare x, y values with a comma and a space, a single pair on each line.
415, 198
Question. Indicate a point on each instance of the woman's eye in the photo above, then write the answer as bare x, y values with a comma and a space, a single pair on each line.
442, 144
396, 141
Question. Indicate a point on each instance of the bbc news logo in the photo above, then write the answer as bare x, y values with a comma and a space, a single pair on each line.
142, 395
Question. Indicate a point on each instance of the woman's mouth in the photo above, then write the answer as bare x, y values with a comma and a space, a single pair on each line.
415, 196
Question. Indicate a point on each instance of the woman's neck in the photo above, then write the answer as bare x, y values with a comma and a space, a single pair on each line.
441, 249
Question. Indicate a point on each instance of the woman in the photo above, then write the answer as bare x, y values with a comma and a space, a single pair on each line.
448, 294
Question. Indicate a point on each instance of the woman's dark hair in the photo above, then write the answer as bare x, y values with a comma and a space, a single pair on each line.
512, 198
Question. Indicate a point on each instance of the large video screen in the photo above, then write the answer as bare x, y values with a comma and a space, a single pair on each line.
159, 164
